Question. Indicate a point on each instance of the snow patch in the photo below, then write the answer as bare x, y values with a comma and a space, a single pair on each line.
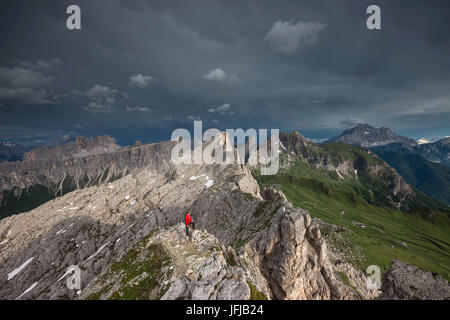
209, 183
423, 141
61, 231
132, 203
127, 228
127, 197
67, 208
28, 290
69, 271
4, 241
17, 270
99, 249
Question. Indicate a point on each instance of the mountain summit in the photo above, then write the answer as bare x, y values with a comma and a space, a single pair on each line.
364, 135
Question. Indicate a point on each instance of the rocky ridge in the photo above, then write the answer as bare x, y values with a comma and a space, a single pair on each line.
279, 250
197, 267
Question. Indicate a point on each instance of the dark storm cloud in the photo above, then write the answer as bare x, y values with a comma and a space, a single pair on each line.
141, 68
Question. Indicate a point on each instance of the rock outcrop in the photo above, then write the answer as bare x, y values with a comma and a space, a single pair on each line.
294, 259
406, 282
169, 265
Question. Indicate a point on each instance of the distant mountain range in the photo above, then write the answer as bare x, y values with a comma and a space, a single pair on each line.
383, 139
70, 147
48, 172
11, 151
423, 165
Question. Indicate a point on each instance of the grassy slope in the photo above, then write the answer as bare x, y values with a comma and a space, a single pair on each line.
324, 195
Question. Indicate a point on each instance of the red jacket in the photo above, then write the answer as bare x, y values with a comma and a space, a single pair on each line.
188, 219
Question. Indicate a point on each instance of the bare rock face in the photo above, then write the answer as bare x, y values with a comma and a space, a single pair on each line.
293, 257
204, 271
406, 282
340, 251
295, 143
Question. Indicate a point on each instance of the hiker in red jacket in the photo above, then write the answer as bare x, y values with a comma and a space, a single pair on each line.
188, 220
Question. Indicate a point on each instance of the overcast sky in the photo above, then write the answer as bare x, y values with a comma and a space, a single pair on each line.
139, 69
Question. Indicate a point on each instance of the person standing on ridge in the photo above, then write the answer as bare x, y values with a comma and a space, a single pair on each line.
188, 220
